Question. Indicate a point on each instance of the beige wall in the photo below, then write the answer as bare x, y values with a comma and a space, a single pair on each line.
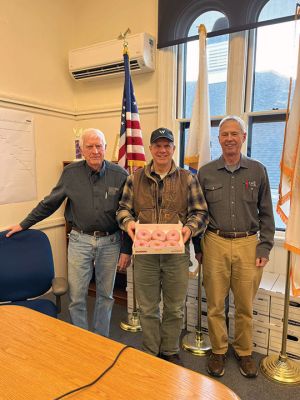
99, 21
35, 37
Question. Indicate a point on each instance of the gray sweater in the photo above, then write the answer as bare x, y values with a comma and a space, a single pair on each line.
240, 201
93, 198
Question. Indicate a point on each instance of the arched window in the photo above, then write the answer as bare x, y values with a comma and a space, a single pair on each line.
277, 8
275, 53
217, 59
175, 16
275, 58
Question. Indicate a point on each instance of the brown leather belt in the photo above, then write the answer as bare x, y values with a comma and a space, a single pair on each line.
231, 235
94, 233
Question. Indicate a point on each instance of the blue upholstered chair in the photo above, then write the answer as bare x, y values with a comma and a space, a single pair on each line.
27, 272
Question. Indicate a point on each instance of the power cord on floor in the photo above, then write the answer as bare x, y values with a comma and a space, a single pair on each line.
97, 379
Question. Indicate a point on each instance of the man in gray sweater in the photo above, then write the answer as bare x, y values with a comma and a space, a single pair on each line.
236, 244
93, 188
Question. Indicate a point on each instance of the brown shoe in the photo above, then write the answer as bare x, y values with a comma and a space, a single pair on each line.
247, 365
216, 364
172, 358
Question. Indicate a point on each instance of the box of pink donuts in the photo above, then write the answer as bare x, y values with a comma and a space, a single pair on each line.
158, 239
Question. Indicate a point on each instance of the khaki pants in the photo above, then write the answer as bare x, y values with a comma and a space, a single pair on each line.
230, 264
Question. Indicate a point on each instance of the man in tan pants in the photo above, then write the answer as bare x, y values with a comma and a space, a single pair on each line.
236, 245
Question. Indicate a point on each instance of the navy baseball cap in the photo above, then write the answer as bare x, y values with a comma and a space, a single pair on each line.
161, 133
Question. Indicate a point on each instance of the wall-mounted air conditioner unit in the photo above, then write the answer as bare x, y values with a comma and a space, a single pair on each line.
105, 59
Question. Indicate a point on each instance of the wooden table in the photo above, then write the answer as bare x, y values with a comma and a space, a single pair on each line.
41, 358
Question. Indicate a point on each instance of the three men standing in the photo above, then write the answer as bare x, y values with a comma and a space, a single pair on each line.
235, 247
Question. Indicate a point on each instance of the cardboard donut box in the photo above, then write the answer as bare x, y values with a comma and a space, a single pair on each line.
163, 249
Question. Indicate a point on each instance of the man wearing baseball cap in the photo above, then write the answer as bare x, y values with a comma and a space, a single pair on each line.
162, 193
161, 133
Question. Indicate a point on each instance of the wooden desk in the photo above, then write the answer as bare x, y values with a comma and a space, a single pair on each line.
42, 358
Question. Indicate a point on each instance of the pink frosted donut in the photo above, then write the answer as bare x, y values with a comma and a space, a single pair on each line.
141, 243
158, 234
173, 235
143, 234
156, 244
171, 243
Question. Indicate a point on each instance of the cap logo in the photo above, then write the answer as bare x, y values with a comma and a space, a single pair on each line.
162, 131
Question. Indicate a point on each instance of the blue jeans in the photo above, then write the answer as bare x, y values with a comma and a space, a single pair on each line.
86, 252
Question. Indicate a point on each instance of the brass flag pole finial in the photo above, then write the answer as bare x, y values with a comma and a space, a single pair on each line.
201, 28
123, 37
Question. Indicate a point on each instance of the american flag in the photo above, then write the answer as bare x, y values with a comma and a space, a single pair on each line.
131, 148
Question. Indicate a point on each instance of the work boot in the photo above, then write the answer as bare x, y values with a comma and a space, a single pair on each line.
173, 358
216, 364
247, 366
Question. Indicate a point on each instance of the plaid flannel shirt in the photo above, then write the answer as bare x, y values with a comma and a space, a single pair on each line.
197, 214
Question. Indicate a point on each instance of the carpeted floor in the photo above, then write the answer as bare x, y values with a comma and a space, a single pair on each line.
247, 389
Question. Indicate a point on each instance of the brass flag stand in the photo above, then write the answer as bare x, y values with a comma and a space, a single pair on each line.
133, 322
196, 342
280, 368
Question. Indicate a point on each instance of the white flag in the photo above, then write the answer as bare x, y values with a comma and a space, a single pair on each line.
198, 147
288, 205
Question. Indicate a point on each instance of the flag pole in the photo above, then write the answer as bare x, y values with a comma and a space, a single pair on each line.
132, 324
195, 342
280, 368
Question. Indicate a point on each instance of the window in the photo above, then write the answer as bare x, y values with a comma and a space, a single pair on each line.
269, 62
217, 58
274, 64
275, 54
265, 141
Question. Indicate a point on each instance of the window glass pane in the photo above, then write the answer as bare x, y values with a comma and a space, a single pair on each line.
215, 147
276, 60
213, 20
217, 56
277, 9
267, 142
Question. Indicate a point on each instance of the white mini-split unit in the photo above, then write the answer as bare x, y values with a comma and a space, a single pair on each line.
105, 59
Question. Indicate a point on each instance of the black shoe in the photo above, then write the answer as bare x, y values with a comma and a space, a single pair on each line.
173, 358
247, 366
216, 364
